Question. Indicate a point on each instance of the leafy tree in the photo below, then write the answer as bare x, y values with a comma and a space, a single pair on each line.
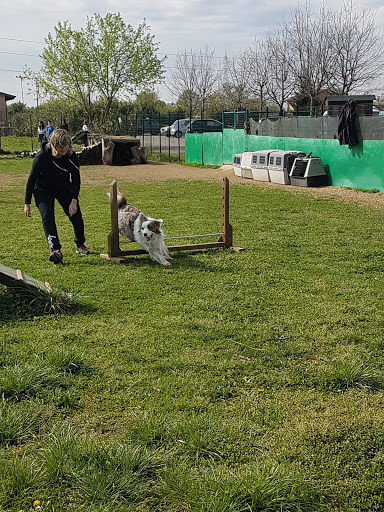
149, 101
16, 108
104, 61
215, 105
188, 101
18, 118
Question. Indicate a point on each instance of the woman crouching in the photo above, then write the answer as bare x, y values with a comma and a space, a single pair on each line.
55, 174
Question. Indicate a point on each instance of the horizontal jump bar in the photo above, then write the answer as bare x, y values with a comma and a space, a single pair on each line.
178, 237
189, 247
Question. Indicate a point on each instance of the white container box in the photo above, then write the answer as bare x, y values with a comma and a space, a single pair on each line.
280, 165
259, 164
246, 160
237, 164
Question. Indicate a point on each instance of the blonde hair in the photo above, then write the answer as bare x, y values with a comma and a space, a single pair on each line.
60, 138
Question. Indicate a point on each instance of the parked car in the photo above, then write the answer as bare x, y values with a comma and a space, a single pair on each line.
179, 128
165, 130
204, 125
147, 126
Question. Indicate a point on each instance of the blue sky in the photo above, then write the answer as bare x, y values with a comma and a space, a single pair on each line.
226, 26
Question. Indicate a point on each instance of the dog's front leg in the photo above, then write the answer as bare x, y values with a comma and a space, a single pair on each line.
159, 259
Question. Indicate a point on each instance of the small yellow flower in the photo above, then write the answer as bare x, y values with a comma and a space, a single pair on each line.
260, 390
21, 510
36, 503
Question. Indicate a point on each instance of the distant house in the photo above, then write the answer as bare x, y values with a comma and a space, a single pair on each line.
364, 104
301, 103
4, 97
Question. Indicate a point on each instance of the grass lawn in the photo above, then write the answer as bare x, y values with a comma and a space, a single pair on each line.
231, 382
13, 145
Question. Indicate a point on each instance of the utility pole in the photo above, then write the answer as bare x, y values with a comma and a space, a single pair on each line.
37, 95
21, 83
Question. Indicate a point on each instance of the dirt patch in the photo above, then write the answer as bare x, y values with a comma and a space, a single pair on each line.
160, 171
153, 171
8, 181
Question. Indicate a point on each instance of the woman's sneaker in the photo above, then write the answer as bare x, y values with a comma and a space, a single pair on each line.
56, 257
83, 250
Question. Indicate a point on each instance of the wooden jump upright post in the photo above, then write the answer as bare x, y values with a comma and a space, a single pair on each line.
224, 241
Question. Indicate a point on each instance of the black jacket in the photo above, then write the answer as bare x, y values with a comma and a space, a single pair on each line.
53, 174
346, 130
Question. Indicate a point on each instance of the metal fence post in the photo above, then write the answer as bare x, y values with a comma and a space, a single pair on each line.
178, 129
150, 130
159, 133
30, 124
169, 137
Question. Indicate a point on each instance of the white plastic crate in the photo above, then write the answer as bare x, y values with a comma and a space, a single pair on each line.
237, 164
259, 164
246, 160
280, 164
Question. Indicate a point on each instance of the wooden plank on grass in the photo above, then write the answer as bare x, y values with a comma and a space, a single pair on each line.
17, 280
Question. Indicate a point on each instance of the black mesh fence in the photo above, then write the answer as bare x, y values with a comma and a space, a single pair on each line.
159, 132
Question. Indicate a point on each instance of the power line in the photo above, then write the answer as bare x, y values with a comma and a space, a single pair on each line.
22, 40
12, 70
160, 53
192, 55
25, 54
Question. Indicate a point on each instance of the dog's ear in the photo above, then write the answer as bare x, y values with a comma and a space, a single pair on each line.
156, 225
142, 218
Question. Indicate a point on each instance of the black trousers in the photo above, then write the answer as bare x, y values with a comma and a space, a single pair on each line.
45, 202
42, 139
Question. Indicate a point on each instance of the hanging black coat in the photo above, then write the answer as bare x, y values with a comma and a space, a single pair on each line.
346, 129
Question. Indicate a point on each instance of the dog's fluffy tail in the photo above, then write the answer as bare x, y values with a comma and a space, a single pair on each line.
121, 199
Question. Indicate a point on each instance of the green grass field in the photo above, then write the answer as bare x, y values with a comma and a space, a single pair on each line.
15, 145
231, 382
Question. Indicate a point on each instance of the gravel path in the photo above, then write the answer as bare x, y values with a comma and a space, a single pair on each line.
159, 171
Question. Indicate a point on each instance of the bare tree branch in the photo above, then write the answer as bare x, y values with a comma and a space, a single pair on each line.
358, 48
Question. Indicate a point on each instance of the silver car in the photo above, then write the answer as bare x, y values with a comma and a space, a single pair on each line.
179, 128
165, 130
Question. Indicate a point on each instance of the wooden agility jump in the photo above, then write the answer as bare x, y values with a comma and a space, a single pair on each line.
115, 254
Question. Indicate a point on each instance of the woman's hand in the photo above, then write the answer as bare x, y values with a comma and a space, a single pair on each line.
27, 210
73, 207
